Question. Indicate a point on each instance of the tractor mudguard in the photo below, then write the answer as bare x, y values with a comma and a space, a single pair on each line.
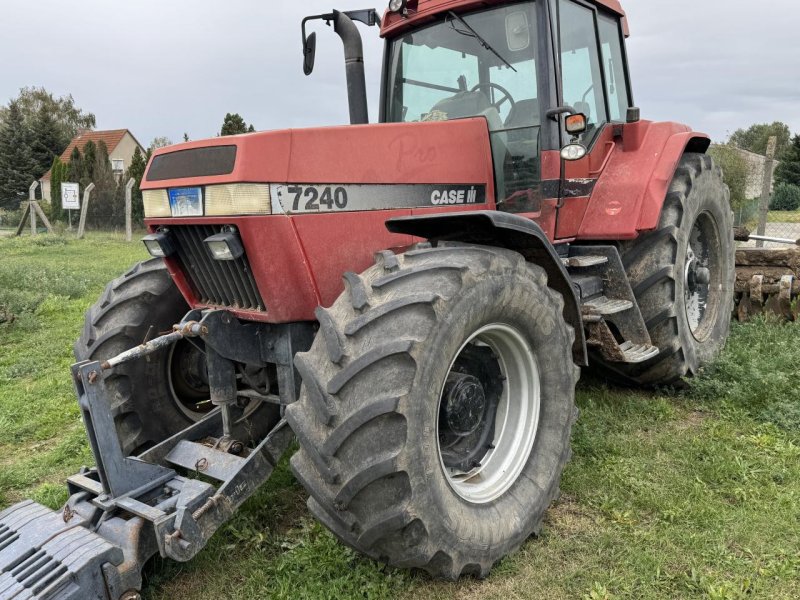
492, 228
632, 187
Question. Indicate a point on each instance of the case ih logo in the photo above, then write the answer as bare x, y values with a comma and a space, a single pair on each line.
459, 196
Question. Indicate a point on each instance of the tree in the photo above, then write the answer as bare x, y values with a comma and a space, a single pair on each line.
735, 172
756, 137
45, 141
68, 118
785, 197
89, 161
234, 125
17, 168
106, 208
788, 171
136, 171
159, 142
75, 166
57, 174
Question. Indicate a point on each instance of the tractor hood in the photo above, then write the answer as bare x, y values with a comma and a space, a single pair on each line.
451, 152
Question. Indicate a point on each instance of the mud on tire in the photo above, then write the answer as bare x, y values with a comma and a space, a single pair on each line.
697, 205
366, 419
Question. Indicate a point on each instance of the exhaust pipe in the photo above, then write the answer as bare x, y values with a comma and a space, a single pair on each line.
354, 67
346, 29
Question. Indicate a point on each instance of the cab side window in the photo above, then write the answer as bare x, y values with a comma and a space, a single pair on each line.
581, 77
614, 65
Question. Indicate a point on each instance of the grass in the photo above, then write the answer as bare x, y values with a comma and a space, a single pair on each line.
783, 216
690, 494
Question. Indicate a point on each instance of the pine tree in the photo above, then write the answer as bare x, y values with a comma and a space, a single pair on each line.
233, 125
136, 171
17, 168
788, 171
46, 141
56, 177
89, 162
103, 211
75, 166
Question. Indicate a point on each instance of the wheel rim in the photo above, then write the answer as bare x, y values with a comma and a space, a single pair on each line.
507, 447
702, 277
188, 383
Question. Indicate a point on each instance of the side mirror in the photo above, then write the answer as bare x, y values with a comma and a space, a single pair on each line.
576, 124
309, 53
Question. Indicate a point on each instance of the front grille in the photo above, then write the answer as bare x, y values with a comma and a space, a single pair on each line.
215, 282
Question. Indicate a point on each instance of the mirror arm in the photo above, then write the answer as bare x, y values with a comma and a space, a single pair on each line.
554, 113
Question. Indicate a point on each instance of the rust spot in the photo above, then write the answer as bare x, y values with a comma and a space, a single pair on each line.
93, 377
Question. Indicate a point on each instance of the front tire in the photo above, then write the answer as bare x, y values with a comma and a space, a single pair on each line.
165, 392
397, 440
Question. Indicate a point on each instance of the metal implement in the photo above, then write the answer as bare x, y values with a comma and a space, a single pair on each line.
127, 509
767, 281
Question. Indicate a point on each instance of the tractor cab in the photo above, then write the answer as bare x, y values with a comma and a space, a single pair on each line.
528, 68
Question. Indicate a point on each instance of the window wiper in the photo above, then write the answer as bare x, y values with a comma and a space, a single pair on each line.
472, 33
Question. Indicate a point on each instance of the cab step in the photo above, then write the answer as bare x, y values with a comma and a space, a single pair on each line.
638, 353
602, 306
582, 262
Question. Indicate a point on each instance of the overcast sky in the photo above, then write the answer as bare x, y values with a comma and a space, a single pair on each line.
165, 67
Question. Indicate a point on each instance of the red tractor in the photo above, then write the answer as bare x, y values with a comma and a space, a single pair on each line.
411, 300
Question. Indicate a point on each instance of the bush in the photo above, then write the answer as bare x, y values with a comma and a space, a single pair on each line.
735, 171
785, 197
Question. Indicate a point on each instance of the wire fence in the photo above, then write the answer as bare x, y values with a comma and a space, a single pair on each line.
757, 214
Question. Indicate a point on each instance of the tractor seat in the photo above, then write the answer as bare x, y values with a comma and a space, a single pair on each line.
525, 113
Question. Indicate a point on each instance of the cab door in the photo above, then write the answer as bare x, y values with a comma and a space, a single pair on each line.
593, 82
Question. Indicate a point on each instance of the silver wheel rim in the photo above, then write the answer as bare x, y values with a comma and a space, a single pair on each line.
702, 277
184, 406
516, 422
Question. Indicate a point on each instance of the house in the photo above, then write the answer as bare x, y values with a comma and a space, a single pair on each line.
120, 143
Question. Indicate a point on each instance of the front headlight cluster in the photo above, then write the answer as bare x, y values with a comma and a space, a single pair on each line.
217, 200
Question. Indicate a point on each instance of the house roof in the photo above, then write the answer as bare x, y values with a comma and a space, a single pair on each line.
111, 138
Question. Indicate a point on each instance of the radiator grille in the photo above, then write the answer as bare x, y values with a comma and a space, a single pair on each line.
227, 283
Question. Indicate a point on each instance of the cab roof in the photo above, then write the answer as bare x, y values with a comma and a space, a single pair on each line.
426, 9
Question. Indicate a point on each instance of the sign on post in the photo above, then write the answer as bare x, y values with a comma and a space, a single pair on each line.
70, 196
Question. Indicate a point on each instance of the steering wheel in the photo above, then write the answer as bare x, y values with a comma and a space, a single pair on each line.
506, 94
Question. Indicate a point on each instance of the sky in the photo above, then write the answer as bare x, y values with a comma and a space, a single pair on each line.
169, 67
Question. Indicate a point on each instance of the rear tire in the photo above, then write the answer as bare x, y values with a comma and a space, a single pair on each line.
369, 418
695, 230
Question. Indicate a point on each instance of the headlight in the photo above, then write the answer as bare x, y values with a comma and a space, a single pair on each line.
225, 245
215, 201
396, 5
156, 203
159, 244
238, 199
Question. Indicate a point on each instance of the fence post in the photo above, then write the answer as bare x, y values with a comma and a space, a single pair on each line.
128, 216
84, 209
766, 188
31, 201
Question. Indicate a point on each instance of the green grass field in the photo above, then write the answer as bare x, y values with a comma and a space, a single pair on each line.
691, 494
783, 216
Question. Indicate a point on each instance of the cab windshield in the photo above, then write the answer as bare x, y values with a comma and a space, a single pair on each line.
481, 64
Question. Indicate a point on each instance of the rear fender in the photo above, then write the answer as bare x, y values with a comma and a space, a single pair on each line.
491, 228
631, 190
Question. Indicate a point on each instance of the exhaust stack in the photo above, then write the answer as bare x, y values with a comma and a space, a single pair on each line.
345, 28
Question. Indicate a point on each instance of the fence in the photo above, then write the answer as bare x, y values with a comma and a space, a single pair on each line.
102, 209
754, 213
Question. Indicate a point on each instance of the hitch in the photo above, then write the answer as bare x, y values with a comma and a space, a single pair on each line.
127, 509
